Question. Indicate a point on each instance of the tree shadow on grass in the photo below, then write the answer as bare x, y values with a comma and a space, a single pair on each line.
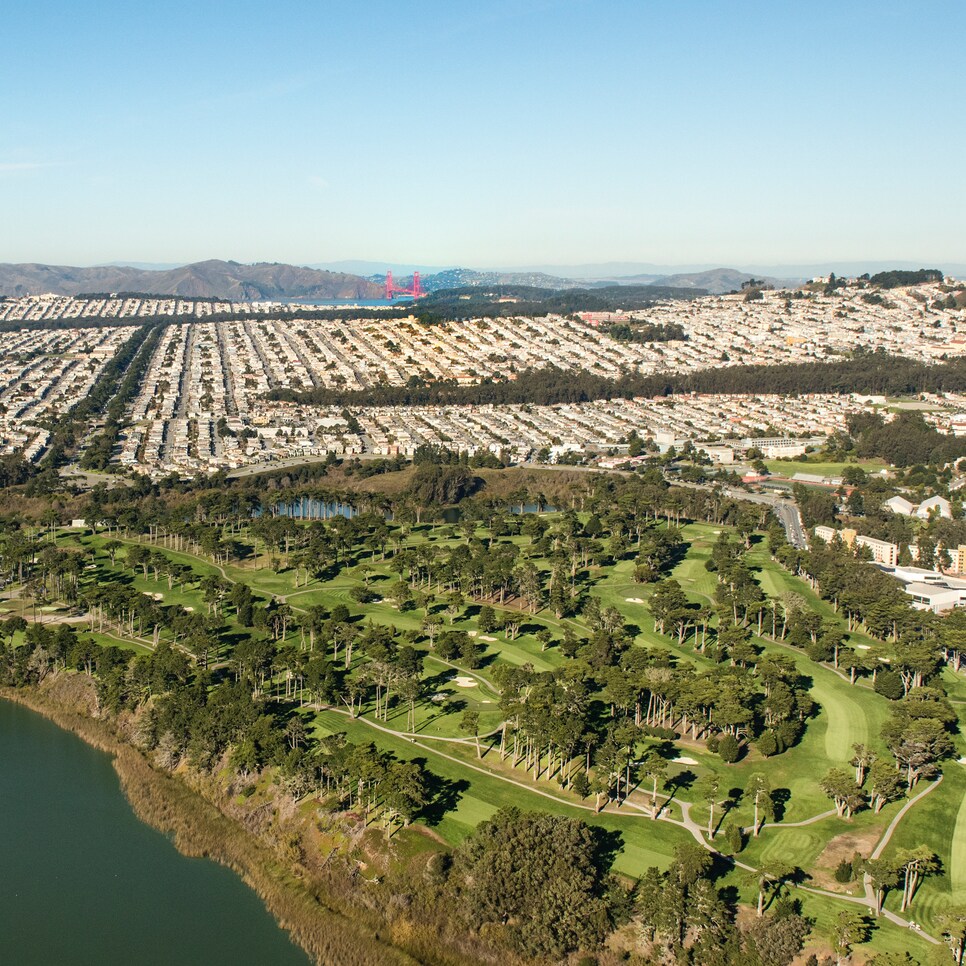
608, 844
728, 805
231, 639
433, 682
444, 795
680, 782
780, 797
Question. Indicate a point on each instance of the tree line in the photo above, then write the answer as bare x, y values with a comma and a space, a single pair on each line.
866, 372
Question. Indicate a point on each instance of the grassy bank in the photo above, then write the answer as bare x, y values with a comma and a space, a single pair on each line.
331, 932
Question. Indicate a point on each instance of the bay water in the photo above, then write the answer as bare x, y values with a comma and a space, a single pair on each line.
83, 882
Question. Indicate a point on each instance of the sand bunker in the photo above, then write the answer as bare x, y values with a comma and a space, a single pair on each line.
634, 600
464, 682
684, 760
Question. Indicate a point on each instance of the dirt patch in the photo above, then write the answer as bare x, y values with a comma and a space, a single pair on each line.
840, 848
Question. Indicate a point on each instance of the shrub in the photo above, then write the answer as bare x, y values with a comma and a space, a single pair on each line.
486, 619
728, 748
889, 685
768, 744
819, 651
734, 838
580, 786
450, 644
844, 871
788, 733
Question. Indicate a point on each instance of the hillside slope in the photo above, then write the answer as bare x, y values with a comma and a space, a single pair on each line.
209, 279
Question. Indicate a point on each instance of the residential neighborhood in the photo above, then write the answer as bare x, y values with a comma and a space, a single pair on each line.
202, 404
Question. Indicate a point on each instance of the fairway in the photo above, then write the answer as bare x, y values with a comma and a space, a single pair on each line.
468, 789
957, 856
478, 796
846, 721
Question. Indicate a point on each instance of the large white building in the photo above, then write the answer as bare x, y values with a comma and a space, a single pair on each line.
929, 589
935, 504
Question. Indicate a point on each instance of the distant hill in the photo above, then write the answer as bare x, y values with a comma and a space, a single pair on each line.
210, 279
508, 300
715, 281
453, 278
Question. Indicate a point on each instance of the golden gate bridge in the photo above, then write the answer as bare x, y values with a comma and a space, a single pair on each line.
413, 291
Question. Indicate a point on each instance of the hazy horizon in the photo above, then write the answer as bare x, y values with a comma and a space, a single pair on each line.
587, 270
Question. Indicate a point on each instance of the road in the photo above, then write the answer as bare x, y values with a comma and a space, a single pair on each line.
784, 509
271, 466
73, 474
791, 520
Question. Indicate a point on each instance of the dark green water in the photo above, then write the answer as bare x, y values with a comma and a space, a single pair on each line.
84, 883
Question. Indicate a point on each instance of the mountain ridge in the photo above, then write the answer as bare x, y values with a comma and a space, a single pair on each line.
213, 278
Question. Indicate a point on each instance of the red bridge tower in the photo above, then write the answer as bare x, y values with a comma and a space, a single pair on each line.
414, 291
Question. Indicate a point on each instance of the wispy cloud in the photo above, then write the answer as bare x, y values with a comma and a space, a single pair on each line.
20, 167
317, 181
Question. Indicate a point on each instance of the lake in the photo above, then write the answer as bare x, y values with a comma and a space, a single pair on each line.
83, 881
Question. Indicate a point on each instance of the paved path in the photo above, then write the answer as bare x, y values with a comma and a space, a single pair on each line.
884, 841
806, 821
608, 809
869, 898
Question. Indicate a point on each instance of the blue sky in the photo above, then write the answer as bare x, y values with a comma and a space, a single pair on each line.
498, 132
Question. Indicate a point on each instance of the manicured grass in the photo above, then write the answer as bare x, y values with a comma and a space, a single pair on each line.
957, 854
112, 640
938, 822
645, 843
848, 714
789, 468
885, 937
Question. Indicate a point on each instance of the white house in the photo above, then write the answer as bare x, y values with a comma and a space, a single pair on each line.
934, 504
899, 504
883, 552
